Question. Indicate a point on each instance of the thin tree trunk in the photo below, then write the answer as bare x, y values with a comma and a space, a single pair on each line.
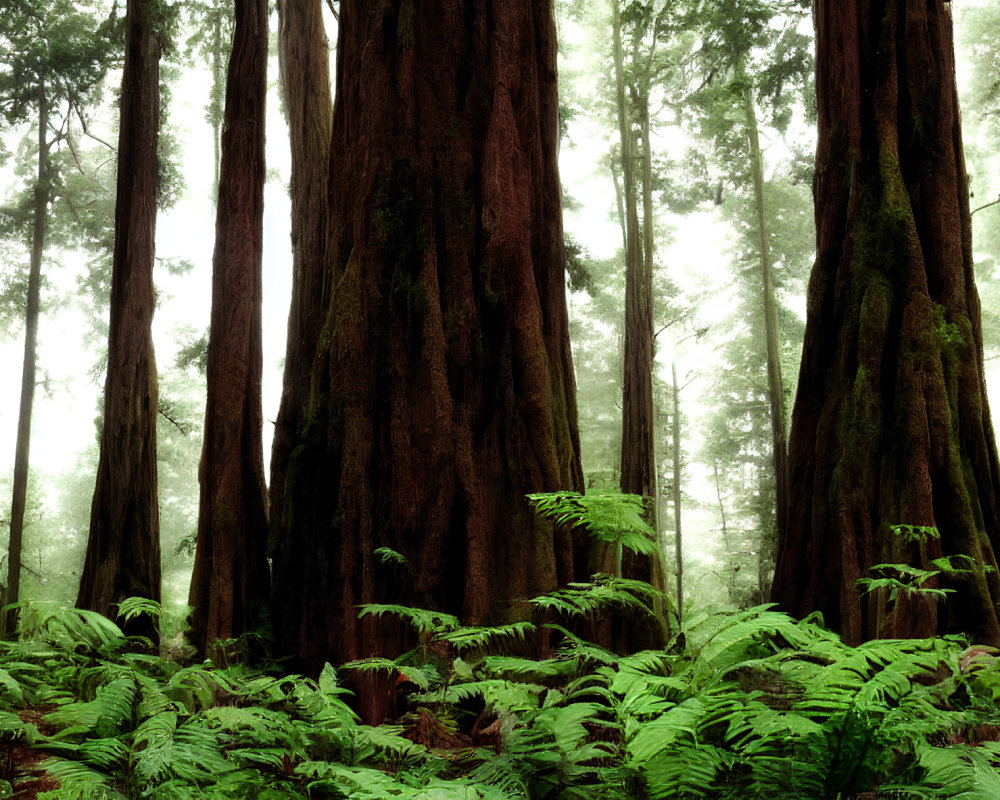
304, 57
678, 541
216, 109
891, 422
230, 583
123, 551
722, 507
775, 386
638, 464
619, 203
21, 456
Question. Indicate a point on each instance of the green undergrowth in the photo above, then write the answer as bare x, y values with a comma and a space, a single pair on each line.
740, 705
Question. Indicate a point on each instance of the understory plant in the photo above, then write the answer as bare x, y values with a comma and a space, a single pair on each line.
754, 704
741, 705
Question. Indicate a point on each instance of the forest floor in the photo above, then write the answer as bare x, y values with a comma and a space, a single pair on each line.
20, 763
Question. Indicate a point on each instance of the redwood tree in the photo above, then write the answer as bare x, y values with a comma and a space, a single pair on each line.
304, 57
442, 390
891, 425
123, 551
638, 458
230, 583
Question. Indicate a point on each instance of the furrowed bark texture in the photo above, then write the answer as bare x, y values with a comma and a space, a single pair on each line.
305, 79
443, 389
891, 424
230, 584
123, 551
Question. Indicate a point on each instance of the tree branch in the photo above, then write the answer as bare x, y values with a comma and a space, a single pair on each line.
985, 205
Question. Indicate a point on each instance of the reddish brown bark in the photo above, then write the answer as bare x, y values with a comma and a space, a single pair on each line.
891, 423
305, 79
442, 390
230, 583
123, 551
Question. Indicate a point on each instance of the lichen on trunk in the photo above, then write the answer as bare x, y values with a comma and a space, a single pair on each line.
891, 425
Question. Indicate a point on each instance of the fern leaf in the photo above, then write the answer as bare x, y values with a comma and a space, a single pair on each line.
154, 745
473, 638
77, 781
422, 620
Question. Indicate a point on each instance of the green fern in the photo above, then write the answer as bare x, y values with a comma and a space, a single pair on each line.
607, 516
423, 621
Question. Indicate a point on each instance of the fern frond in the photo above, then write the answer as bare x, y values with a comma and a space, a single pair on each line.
387, 555
607, 516
684, 772
132, 607
585, 653
526, 668
422, 620
465, 639
197, 754
679, 723
77, 781
153, 745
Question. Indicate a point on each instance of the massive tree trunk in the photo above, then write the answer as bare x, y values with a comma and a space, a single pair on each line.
123, 551
891, 424
22, 462
442, 389
230, 584
305, 79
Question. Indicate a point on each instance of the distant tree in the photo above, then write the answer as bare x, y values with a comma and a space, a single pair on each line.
975, 31
442, 387
123, 550
230, 584
211, 23
54, 59
891, 424
756, 61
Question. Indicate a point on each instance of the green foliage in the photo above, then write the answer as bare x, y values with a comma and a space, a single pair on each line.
901, 578
608, 516
745, 705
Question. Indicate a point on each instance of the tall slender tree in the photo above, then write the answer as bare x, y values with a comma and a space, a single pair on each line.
230, 583
442, 388
891, 425
55, 57
123, 550
304, 57
638, 453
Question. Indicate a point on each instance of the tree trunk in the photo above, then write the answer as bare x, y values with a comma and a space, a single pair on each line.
216, 105
305, 79
230, 583
775, 386
123, 551
891, 424
442, 390
22, 447
638, 464
678, 541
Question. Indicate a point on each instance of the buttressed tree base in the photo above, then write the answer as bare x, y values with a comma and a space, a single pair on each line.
442, 389
891, 425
